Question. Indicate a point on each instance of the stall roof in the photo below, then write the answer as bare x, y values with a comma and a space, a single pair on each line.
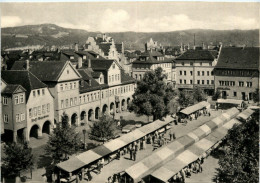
194, 108
245, 114
193, 152
230, 101
172, 149
93, 155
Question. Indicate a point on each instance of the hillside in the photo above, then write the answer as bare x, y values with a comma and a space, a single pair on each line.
50, 34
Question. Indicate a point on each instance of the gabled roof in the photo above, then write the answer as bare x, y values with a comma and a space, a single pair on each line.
12, 88
125, 79
24, 78
196, 55
45, 70
105, 47
239, 58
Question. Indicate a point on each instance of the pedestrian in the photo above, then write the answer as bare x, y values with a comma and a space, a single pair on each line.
170, 134
89, 177
156, 133
134, 155
153, 138
44, 178
165, 140
109, 179
118, 154
183, 175
131, 153
141, 144
173, 135
102, 162
144, 144
99, 167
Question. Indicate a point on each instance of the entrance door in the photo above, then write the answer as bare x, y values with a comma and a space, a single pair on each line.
224, 94
243, 96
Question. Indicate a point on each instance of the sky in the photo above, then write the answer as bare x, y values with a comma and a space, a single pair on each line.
134, 16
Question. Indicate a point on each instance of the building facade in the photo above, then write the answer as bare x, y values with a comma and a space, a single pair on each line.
237, 73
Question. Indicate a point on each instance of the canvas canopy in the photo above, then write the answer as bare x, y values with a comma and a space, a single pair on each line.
194, 108
110, 147
157, 159
245, 114
230, 101
171, 168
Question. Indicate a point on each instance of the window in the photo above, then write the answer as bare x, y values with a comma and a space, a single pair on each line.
114, 66
118, 77
91, 96
191, 82
62, 104
180, 81
112, 78
34, 93
68, 69
71, 86
71, 101
102, 94
39, 92
212, 73
85, 98
21, 99
202, 73
80, 100
43, 91
16, 100
75, 85
180, 72
241, 83
30, 112
17, 117
184, 73
191, 73
98, 95
48, 107
61, 87
67, 102
184, 81
22, 117
182, 63
191, 63
207, 73
39, 110
5, 100
198, 82
135, 76
249, 84
5, 119
202, 82
140, 75
198, 73
212, 82
75, 100
109, 78
66, 86
43, 107
235, 94
207, 82
35, 111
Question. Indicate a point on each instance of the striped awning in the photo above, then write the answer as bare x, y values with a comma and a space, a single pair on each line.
245, 114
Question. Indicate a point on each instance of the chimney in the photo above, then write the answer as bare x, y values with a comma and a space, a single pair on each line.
79, 62
27, 65
76, 47
89, 63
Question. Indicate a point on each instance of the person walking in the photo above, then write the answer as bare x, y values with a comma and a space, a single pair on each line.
144, 144
134, 155
131, 153
173, 135
170, 134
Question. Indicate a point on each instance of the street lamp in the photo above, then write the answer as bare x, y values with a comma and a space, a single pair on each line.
84, 133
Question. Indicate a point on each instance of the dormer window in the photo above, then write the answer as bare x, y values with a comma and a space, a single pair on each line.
114, 66
68, 71
72, 57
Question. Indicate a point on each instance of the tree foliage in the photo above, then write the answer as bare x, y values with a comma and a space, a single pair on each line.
216, 95
185, 98
152, 95
240, 161
199, 95
63, 141
17, 158
256, 96
104, 128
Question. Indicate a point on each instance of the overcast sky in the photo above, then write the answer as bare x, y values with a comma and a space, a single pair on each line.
134, 16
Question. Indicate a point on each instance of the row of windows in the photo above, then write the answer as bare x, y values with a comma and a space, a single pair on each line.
191, 63
17, 99
233, 83
68, 102
235, 72
39, 92
68, 86
18, 117
198, 82
37, 111
113, 78
202, 73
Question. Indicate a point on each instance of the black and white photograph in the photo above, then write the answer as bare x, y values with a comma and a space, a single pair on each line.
130, 92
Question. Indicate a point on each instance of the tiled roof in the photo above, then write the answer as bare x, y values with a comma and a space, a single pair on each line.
99, 64
105, 48
98, 40
126, 78
11, 88
45, 70
119, 48
152, 58
196, 55
24, 78
239, 58
96, 74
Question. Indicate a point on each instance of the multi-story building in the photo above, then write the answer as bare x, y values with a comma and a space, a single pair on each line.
151, 60
27, 105
237, 72
194, 68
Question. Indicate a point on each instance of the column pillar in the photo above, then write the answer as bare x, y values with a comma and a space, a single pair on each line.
25, 134
15, 136
77, 121
85, 120
39, 133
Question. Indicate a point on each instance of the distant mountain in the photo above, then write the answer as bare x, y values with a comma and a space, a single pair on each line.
51, 34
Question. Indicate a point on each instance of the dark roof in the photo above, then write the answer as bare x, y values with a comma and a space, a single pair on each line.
119, 48
196, 55
151, 58
45, 70
99, 64
98, 39
126, 78
11, 88
24, 78
239, 58
96, 74
105, 48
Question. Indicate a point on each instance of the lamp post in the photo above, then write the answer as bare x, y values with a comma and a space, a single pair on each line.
84, 133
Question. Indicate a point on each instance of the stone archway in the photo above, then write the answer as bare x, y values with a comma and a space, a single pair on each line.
90, 115
83, 116
74, 119
35, 131
104, 109
46, 127
97, 113
112, 108
123, 108
128, 102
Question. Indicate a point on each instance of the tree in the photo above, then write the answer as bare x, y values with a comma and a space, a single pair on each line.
63, 141
17, 158
185, 98
152, 95
256, 96
216, 95
240, 161
198, 95
104, 128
